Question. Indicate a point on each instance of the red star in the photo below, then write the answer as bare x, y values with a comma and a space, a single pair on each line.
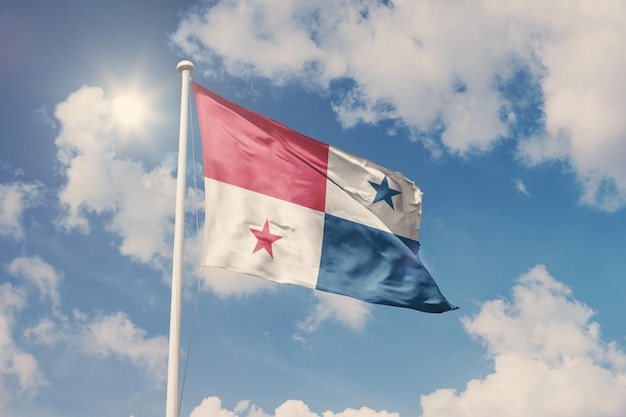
264, 239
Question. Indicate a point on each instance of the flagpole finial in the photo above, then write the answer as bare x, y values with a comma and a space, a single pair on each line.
185, 65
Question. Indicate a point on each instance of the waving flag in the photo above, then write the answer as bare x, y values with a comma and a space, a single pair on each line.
285, 207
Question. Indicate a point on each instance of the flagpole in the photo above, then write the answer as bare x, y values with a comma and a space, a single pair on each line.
185, 68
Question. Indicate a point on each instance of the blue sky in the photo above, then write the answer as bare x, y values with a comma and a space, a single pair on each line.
509, 116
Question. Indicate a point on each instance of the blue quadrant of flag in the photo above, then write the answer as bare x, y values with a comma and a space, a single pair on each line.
374, 266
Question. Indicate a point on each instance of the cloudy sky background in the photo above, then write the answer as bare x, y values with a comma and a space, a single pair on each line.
508, 115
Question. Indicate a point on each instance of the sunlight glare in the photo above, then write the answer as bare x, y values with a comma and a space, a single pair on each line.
131, 113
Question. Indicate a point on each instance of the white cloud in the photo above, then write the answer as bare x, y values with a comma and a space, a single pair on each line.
294, 408
48, 331
348, 311
521, 187
584, 100
14, 199
439, 66
242, 406
101, 181
548, 358
404, 66
212, 406
361, 412
116, 335
113, 335
41, 116
40, 274
108, 335
19, 371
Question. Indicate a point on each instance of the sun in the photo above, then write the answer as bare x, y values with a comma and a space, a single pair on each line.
133, 108
131, 113
129, 110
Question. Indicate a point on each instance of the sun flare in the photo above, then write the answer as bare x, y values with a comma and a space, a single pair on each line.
131, 113
134, 105
129, 110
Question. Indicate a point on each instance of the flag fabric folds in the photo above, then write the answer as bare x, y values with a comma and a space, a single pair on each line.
288, 208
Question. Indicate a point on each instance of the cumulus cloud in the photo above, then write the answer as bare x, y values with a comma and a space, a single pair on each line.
212, 406
403, 65
15, 198
39, 273
549, 358
104, 336
444, 70
48, 331
113, 335
19, 371
116, 335
548, 355
137, 200
584, 101
350, 312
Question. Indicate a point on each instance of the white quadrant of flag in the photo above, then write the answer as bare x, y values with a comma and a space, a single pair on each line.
232, 214
351, 195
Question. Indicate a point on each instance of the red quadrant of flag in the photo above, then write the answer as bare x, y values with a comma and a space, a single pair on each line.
259, 154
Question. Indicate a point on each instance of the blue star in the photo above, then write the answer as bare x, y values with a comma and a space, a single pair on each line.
383, 192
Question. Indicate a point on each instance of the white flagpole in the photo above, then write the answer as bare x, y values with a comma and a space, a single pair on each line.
185, 68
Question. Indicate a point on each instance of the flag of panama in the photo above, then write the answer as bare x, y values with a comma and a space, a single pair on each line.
285, 207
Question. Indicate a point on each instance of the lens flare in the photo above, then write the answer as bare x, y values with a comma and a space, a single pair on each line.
131, 113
